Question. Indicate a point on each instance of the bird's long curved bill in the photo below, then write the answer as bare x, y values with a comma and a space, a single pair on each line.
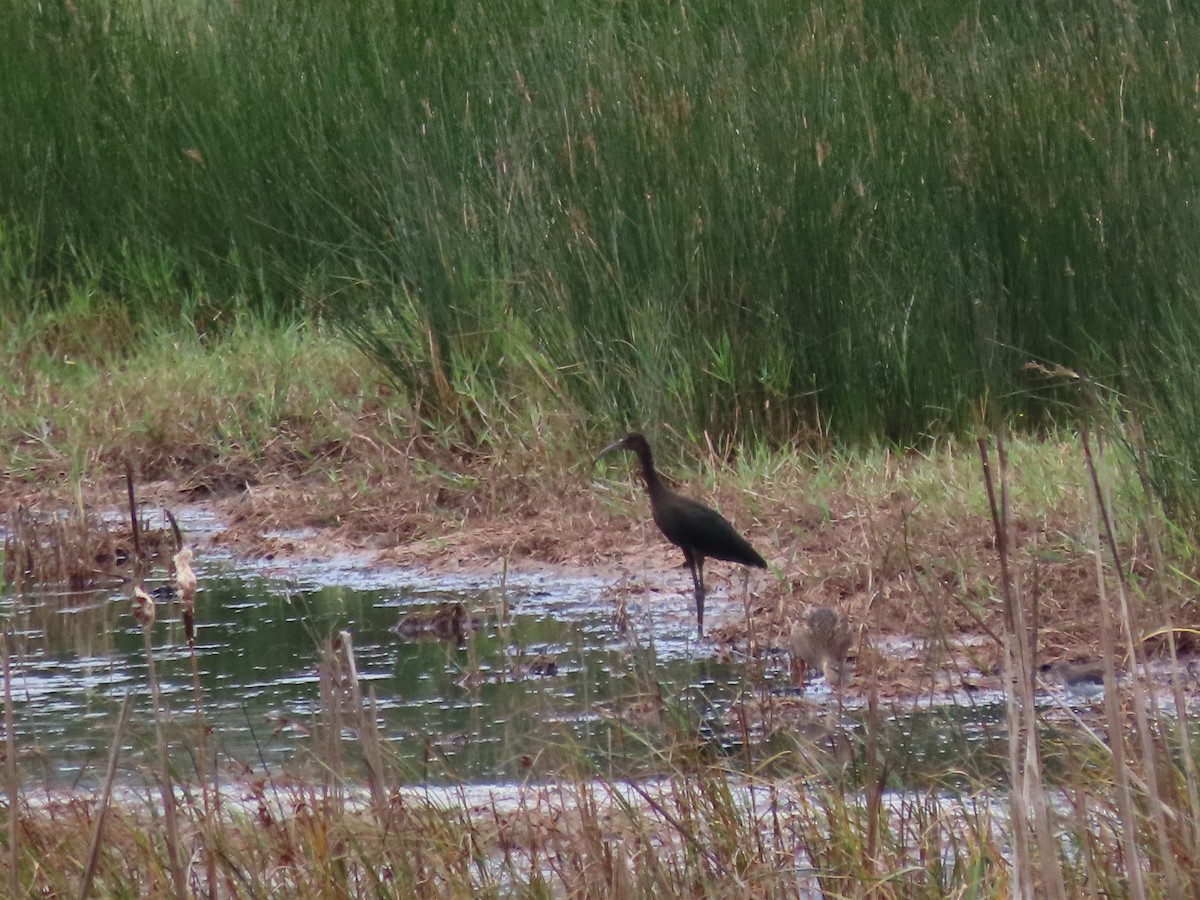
615, 445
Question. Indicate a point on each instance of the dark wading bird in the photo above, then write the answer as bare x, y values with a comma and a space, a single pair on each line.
701, 533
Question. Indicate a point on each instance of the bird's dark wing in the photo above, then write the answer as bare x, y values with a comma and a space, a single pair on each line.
704, 531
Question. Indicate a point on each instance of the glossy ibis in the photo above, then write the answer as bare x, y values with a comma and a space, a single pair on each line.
701, 533
821, 640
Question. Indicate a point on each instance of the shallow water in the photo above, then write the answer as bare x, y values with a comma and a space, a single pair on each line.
449, 714
475, 713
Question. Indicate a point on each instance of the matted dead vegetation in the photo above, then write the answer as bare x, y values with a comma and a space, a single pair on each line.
75, 546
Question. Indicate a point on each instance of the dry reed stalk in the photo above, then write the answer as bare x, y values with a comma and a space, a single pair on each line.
1022, 884
1030, 814
874, 777
11, 782
185, 580
751, 634
373, 751
367, 729
331, 715
110, 777
503, 613
1100, 512
143, 605
210, 796
1190, 824
144, 612
1153, 529
1115, 722
140, 558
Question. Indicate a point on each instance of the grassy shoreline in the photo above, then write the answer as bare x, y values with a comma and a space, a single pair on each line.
292, 428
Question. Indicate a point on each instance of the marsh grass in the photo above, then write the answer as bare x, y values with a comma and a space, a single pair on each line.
288, 398
854, 222
702, 826
1143, 764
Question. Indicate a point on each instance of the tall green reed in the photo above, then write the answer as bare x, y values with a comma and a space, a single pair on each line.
859, 220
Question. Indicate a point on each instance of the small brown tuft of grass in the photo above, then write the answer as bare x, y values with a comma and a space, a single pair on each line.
75, 547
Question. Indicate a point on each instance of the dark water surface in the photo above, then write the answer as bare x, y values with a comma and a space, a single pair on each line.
475, 713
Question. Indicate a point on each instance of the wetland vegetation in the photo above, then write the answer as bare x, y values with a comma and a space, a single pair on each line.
393, 272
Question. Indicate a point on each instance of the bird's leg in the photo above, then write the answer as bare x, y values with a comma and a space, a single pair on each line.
696, 564
751, 638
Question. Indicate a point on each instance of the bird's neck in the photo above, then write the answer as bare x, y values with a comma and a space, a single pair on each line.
654, 485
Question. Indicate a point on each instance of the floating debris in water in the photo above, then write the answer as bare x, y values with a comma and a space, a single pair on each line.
542, 665
143, 607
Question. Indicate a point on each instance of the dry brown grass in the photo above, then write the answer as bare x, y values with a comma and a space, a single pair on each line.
73, 546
